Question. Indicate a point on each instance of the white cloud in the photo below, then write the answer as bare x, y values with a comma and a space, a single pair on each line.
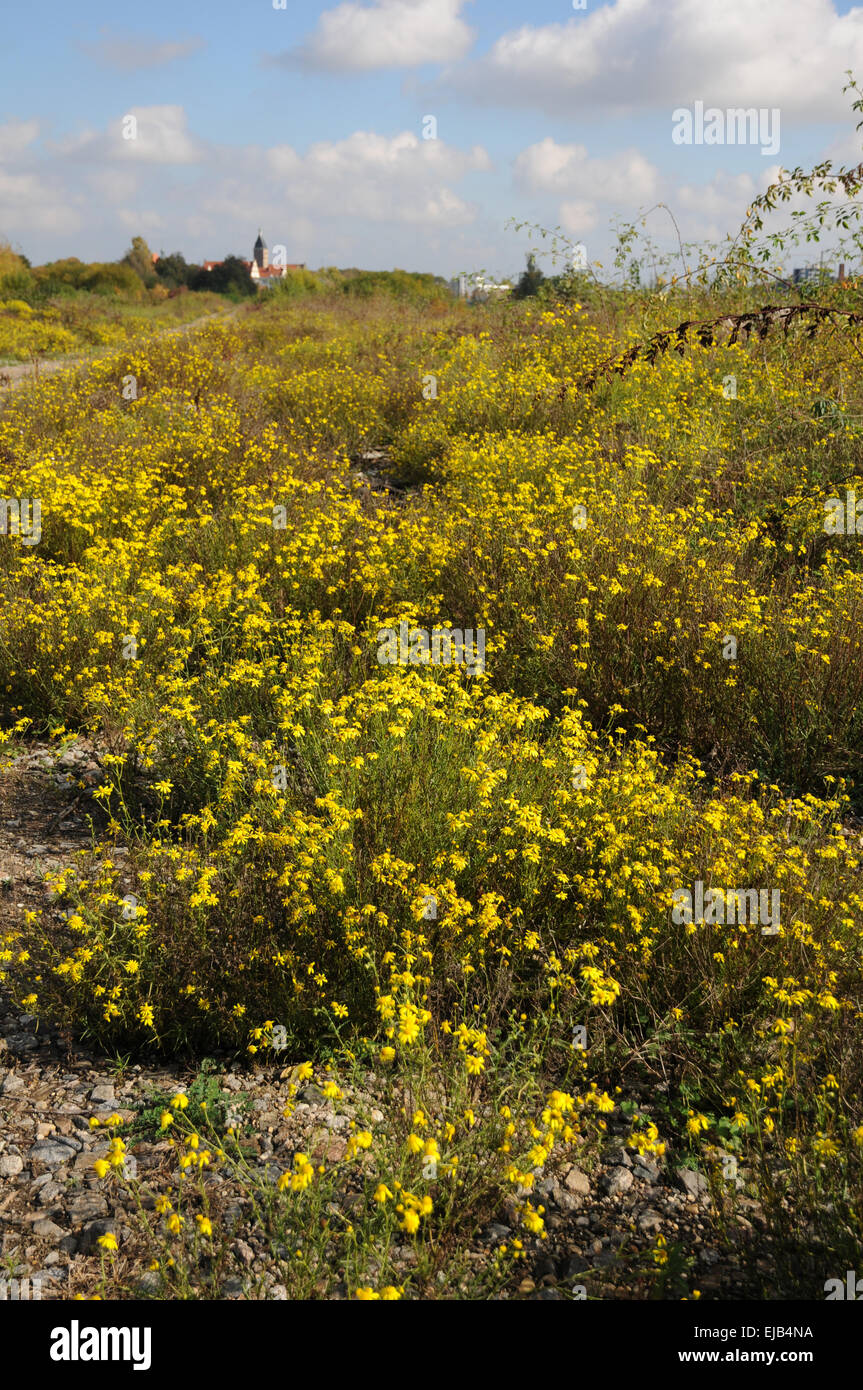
134, 53
549, 167
637, 54
15, 137
578, 217
140, 220
386, 34
379, 178
144, 134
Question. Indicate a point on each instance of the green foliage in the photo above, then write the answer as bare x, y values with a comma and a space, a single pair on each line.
400, 284
140, 258
529, 280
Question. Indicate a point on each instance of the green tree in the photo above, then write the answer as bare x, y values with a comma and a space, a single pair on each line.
174, 270
529, 280
230, 277
140, 258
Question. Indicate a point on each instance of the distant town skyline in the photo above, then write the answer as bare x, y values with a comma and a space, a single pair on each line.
382, 133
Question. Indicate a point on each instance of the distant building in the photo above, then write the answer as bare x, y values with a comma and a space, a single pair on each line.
816, 274
259, 268
476, 288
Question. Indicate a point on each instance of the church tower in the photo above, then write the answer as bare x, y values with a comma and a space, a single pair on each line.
261, 252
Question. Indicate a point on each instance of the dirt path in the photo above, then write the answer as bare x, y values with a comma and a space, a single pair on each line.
23, 372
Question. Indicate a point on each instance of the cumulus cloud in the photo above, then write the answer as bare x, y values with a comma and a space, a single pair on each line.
143, 134
15, 139
387, 34
367, 190
549, 167
380, 178
636, 54
134, 53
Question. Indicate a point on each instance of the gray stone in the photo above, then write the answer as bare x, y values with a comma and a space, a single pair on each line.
646, 1171
88, 1206
577, 1182
11, 1165
53, 1152
103, 1093
617, 1181
149, 1283
694, 1184
495, 1231
232, 1287
649, 1220
49, 1193
47, 1230
311, 1095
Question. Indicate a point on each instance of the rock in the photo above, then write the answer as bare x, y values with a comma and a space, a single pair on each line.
232, 1287
103, 1094
646, 1171
618, 1157
89, 1237
332, 1151
22, 1042
311, 1095
694, 1184
54, 1152
11, 1165
68, 1245
494, 1232
243, 1251
617, 1181
47, 1230
13, 1085
88, 1206
649, 1220
577, 1183
50, 1193
149, 1284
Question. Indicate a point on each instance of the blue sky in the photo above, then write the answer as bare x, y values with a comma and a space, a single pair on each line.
308, 120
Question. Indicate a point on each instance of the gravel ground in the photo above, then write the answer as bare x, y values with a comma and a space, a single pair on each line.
53, 1208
